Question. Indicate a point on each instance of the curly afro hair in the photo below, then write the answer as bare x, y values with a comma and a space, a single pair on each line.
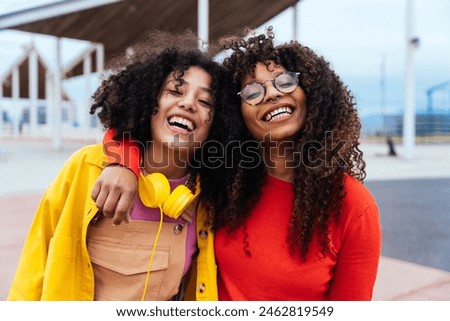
331, 119
127, 99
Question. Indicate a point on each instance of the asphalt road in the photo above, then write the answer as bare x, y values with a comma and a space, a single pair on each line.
415, 218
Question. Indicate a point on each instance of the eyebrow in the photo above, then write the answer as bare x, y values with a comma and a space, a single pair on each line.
183, 81
264, 81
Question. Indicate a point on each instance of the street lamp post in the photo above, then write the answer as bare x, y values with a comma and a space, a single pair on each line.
203, 24
409, 121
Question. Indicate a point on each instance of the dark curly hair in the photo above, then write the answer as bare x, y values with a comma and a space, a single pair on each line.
331, 118
127, 99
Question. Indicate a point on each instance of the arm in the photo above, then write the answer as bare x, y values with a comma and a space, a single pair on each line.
124, 153
116, 188
357, 264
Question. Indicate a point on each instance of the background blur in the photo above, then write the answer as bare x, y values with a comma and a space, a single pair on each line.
389, 65
365, 42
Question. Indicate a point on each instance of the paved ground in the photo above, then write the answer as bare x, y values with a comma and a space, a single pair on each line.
414, 201
413, 197
415, 228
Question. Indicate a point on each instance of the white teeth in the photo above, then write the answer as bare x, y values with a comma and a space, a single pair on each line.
277, 113
182, 123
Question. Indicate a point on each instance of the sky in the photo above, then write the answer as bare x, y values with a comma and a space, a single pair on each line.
364, 41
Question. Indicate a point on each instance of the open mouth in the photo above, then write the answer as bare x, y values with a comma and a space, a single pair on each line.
278, 113
182, 123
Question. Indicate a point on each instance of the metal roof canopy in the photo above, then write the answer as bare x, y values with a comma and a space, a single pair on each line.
117, 24
23, 67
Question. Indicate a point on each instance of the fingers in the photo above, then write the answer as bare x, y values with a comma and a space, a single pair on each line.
100, 201
116, 204
124, 206
114, 193
96, 190
121, 214
110, 204
106, 200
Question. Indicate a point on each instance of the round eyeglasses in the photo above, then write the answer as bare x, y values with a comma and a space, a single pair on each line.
254, 93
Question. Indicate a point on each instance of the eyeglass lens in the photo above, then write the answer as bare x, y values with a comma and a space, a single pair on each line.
254, 93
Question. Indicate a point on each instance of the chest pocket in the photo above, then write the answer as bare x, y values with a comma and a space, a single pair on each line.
120, 257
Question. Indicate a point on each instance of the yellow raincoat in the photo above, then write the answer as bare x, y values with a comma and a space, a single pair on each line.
55, 264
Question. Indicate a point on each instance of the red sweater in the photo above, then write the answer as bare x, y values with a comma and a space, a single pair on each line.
271, 273
124, 152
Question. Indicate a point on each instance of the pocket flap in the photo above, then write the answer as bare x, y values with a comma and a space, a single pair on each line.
127, 260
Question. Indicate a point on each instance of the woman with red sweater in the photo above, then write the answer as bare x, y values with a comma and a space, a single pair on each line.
295, 222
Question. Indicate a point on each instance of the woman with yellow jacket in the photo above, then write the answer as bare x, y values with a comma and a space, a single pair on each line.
171, 101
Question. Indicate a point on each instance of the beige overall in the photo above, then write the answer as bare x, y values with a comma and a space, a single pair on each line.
120, 256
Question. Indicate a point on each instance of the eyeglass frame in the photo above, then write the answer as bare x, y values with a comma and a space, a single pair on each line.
263, 84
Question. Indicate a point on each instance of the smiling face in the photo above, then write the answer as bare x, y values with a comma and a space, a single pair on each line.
281, 115
185, 110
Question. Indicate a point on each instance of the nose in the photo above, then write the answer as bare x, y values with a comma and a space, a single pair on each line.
188, 103
272, 94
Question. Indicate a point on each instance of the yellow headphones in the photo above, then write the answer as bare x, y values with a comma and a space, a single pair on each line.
154, 191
